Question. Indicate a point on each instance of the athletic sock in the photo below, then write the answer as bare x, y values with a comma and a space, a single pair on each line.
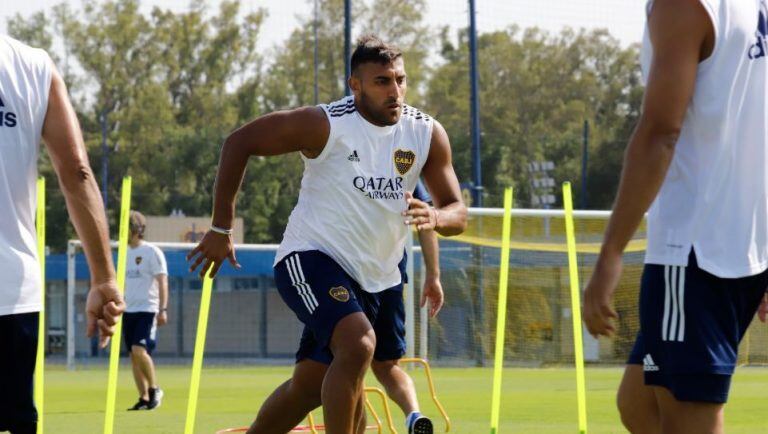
411, 419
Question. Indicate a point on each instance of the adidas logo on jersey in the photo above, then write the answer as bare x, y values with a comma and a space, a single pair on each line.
648, 364
758, 49
7, 119
353, 157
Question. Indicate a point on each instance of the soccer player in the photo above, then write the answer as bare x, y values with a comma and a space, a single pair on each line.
363, 156
390, 329
698, 159
146, 307
34, 104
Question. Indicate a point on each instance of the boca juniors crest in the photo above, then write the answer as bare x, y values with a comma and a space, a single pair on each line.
404, 161
339, 293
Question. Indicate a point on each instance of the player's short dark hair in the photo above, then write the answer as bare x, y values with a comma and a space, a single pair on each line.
370, 48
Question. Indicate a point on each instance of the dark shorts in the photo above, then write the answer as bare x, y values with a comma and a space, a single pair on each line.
18, 340
140, 329
691, 323
321, 293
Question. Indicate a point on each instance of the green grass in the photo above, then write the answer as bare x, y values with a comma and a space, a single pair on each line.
539, 401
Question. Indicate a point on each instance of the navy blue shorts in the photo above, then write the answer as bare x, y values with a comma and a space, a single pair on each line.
140, 329
691, 323
321, 293
18, 340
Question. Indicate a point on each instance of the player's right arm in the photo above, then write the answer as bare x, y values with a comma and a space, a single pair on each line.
682, 35
303, 130
64, 141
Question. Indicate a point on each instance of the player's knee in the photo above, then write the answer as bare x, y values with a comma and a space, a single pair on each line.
365, 346
353, 341
358, 351
382, 369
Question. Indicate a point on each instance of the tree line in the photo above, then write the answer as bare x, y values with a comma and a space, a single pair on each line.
171, 86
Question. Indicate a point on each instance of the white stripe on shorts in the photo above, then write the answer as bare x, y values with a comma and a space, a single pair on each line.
681, 303
673, 325
304, 281
674, 319
300, 288
665, 321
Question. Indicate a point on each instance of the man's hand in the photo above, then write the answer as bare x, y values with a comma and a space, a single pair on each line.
762, 312
598, 296
419, 213
162, 318
103, 309
432, 291
211, 252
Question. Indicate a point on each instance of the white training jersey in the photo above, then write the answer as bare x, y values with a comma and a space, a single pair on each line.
352, 195
144, 263
714, 198
25, 80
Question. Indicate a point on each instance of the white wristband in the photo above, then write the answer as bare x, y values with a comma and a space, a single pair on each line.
219, 230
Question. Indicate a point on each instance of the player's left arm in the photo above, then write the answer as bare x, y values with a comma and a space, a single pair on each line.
449, 215
162, 285
433, 289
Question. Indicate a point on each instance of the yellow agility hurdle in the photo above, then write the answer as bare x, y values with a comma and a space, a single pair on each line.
432, 391
315, 428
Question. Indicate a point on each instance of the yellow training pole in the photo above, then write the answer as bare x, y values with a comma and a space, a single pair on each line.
501, 316
114, 350
40, 363
197, 360
578, 343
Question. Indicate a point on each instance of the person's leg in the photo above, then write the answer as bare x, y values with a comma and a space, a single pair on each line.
637, 403
138, 376
291, 401
390, 347
146, 368
352, 344
18, 337
397, 383
360, 416
326, 300
691, 343
684, 417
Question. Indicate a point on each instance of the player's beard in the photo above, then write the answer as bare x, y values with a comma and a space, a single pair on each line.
379, 114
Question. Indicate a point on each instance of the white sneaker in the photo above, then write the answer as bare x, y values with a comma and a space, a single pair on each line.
155, 398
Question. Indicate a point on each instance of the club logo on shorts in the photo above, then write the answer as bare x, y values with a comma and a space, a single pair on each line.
339, 293
138, 260
404, 161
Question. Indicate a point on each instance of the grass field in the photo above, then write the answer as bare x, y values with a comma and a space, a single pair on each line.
540, 401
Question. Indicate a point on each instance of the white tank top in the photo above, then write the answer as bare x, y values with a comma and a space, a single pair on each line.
352, 195
25, 79
715, 196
